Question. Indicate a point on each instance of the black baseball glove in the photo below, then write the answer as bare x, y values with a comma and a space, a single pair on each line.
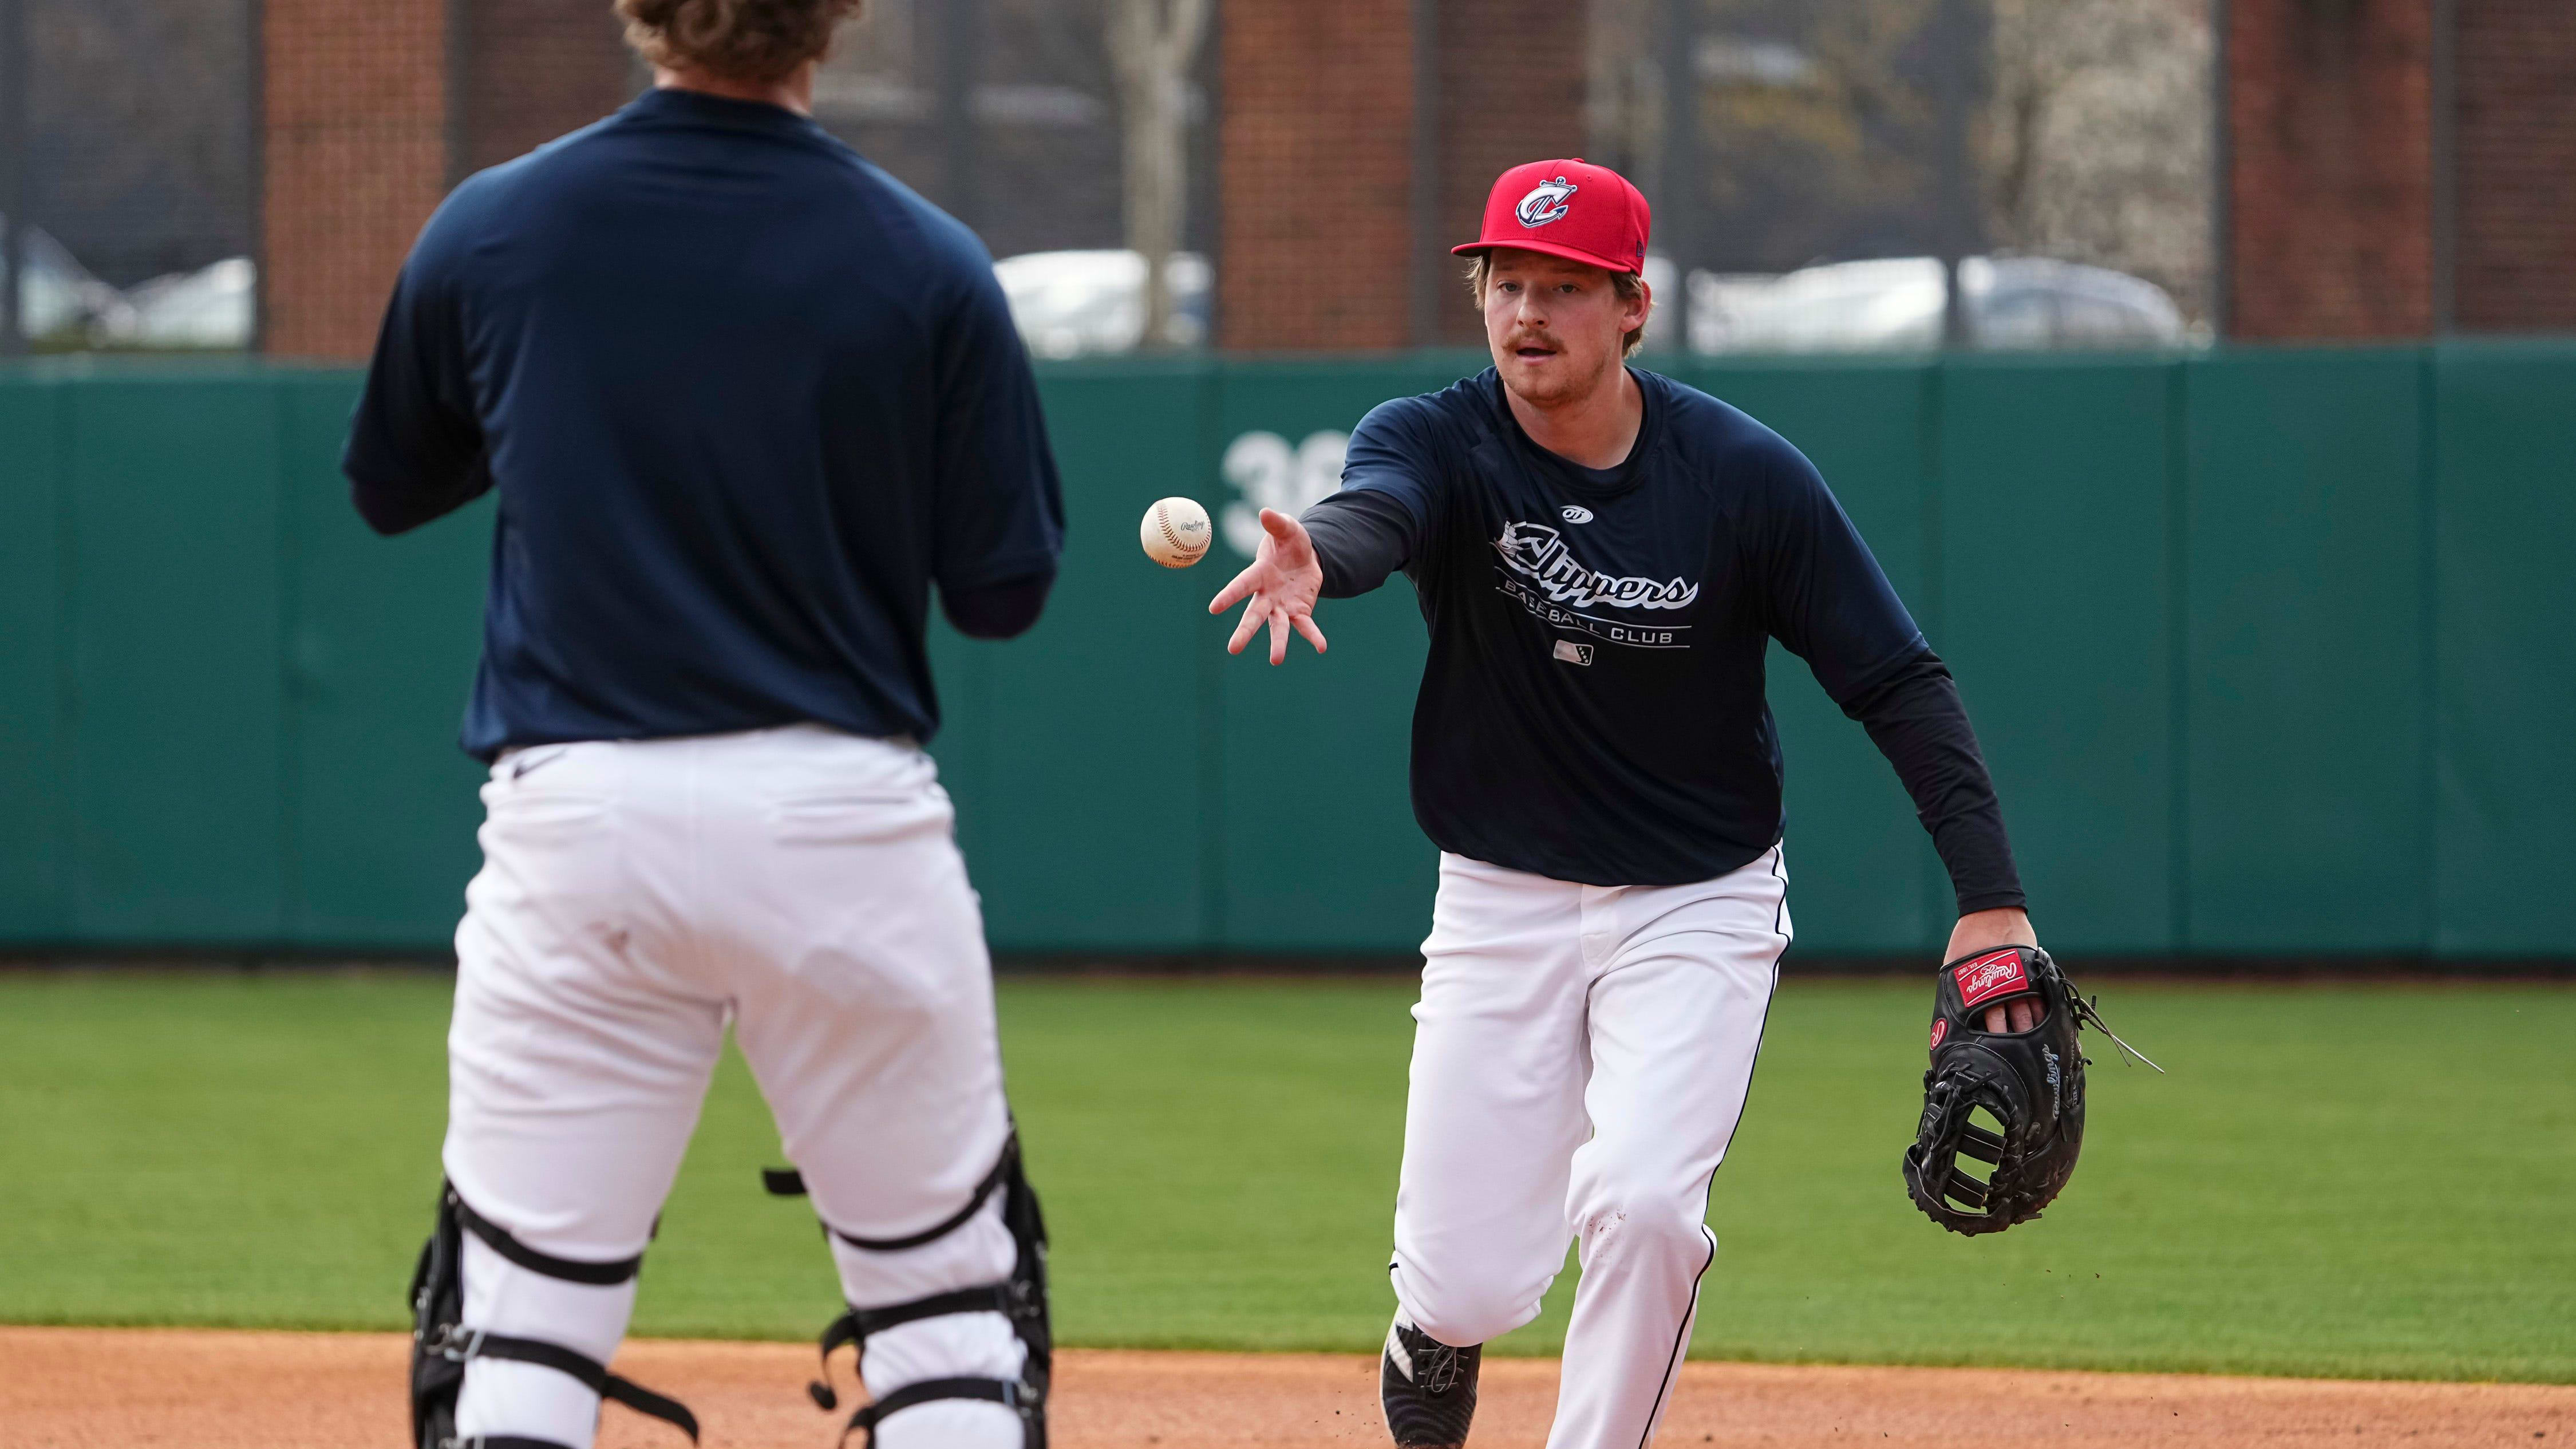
2030, 1082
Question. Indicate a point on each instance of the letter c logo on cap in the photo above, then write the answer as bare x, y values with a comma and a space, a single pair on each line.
1546, 202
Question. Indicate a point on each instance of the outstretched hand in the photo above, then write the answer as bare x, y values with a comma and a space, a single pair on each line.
1283, 582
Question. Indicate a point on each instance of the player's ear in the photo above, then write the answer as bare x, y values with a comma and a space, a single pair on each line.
1635, 308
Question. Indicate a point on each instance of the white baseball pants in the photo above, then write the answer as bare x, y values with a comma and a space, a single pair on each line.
635, 897
1580, 1061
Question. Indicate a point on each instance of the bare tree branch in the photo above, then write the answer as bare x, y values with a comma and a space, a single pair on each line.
1152, 45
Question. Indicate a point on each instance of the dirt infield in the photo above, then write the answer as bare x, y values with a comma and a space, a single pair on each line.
117, 1389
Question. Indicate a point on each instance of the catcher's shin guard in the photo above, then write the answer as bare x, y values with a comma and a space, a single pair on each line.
1021, 1298
2031, 1082
441, 1345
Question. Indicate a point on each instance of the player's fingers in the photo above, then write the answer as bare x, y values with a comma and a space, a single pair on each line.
1279, 636
1246, 626
1242, 585
2025, 1014
1306, 625
1994, 1018
1284, 538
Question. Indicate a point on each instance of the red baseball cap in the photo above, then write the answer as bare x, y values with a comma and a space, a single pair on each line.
1571, 209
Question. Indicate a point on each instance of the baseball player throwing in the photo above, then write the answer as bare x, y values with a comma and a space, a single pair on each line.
1602, 556
746, 402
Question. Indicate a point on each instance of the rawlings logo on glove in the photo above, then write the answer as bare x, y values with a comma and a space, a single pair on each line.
1987, 977
2031, 1082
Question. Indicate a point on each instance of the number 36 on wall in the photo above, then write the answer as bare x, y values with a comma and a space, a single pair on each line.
1268, 473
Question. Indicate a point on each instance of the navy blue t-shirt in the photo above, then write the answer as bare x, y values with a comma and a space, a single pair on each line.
745, 399
1592, 708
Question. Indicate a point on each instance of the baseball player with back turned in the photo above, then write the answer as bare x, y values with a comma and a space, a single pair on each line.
1602, 556
746, 402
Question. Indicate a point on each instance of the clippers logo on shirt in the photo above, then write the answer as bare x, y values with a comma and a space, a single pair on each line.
1545, 578
1998, 973
1546, 202
1537, 553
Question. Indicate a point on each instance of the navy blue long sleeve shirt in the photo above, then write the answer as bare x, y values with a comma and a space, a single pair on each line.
1593, 705
745, 399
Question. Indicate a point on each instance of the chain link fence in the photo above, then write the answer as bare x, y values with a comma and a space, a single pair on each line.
1829, 174
1869, 174
1013, 116
127, 138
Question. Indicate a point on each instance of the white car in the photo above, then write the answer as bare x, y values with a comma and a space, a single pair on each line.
212, 306
1896, 304
1071, 303
58, 299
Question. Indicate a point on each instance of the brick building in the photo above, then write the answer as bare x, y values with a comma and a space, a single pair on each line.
1331, 237
2394, 168
1317, 238
374, 108
1327, 111
2393, 175
2513, 143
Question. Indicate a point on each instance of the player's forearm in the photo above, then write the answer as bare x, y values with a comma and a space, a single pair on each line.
1916, 719
1360, 537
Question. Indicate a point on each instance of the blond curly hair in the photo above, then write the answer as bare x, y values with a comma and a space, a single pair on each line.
760, 41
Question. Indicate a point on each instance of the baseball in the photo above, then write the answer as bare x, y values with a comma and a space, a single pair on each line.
1175, 533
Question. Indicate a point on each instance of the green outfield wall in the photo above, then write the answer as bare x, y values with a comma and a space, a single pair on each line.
2269, 649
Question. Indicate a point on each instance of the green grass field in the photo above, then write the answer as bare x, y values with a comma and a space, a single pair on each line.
2357, 1181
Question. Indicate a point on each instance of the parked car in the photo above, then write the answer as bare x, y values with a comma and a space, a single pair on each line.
1896, 304
1075, 302
211, 307
58, 300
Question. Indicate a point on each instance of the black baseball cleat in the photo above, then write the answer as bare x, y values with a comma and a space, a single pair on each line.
1428, 1388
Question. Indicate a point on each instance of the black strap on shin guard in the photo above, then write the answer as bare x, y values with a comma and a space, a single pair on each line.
1021, 1299
788, 1182
853, 1329
442, 1346
1014, 1396
855, 1326
467, 1344
571, 1270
